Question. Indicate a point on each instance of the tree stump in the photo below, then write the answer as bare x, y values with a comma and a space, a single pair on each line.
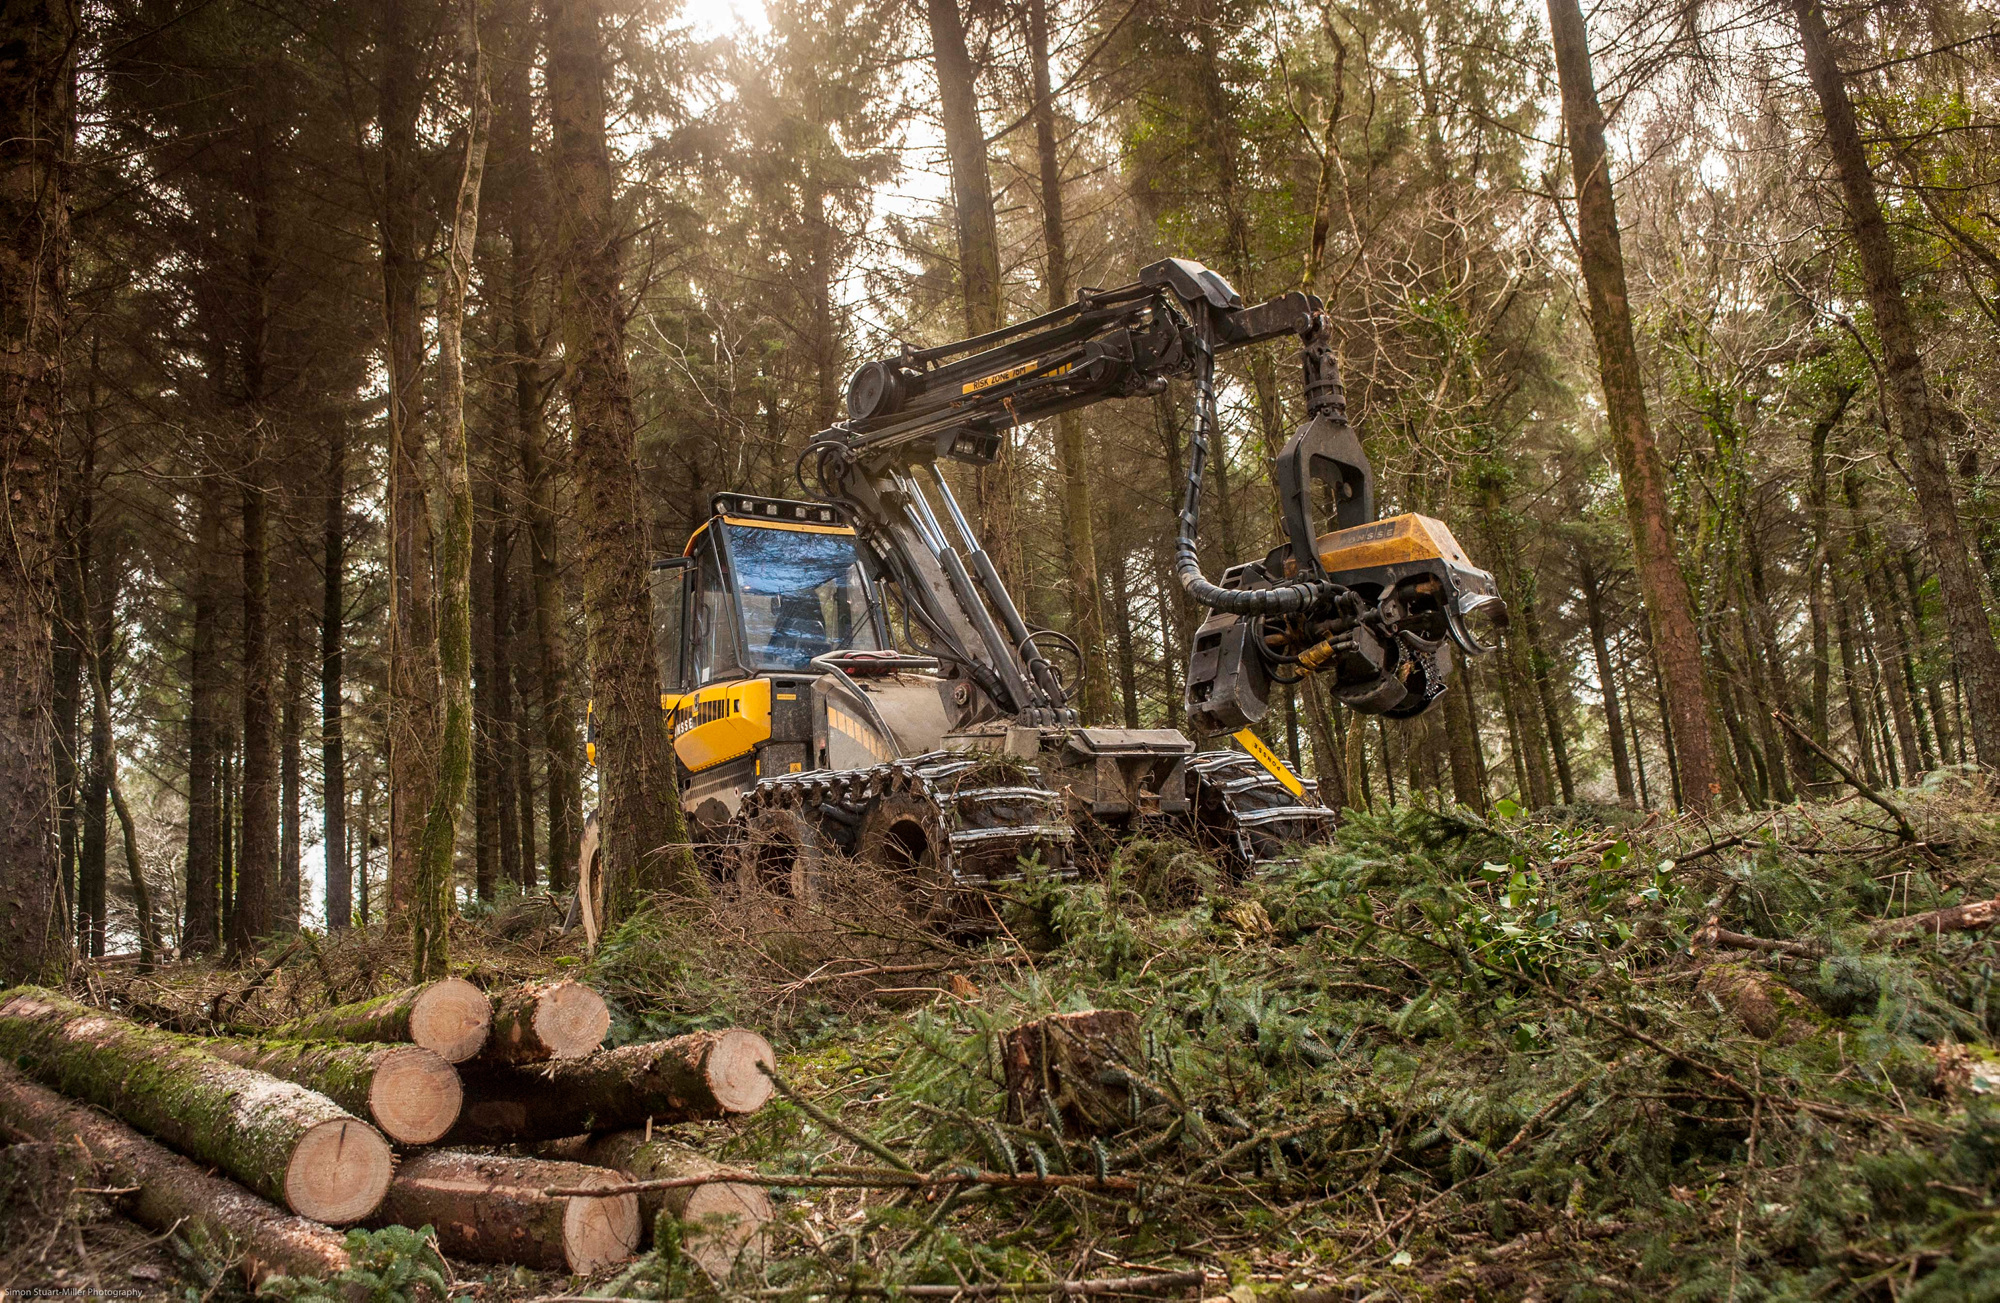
1073, 1062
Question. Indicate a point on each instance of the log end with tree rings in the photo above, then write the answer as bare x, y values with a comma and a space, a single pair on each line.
452, 1019
571, 1020
598, 1233
415, 1096
339, 1172
729, 1220
735, 1069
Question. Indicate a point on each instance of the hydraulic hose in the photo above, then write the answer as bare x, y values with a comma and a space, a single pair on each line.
1284, 599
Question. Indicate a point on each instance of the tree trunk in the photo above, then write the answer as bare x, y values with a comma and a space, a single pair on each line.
285, 1142
1668, 605
413, 726
90, 868
1546, 694
142, 901
506, 797
971, 189
332, 644
978, 238
173, 1194
1329, 757
1875, 613
646, 841
67, 746
432, 895
545, 1020
451, 1018
485, 804
410, 1092
291, 842
201, 928
1593, 610
1461, 729
731, 1217
1919, 422
703, 1075
38, 121
488, 1208
1851, 676
252, 915
1086, 612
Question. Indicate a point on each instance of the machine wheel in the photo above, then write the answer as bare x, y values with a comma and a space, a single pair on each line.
587, 906
901, 834
777, 851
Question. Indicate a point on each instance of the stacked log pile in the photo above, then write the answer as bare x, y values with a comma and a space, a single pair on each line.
302, 1123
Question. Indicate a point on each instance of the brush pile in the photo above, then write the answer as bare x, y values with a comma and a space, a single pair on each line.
328, 1120
1575, 1055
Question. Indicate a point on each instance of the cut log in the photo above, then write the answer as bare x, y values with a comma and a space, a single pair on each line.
218, 1217
1073, 1062
1978, 915
290, 1144
692, 1078
486, 1208
410, 1092
450, 1018
548, 1020
728, 1217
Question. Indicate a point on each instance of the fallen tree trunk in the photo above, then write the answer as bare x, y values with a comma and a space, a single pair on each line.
1956, 918
1068, 1062
450, 1018
728, 1217
487, 1208
697, 1077
410, 1092
546, 1020
172, 1193
290, 1144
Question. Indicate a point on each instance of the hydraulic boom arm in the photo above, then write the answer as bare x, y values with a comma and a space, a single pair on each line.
1379, 629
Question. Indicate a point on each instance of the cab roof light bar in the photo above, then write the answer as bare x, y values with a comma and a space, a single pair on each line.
738, 504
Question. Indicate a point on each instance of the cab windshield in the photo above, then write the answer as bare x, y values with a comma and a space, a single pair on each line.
802, 596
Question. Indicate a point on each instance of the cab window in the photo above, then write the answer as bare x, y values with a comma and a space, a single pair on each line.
802, 596
712, 637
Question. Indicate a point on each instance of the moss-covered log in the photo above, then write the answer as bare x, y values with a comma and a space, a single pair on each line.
218, 1217
290, 1144
450, 1018
703, 1075
727, 1217
488, 1208
546, 1020
410, 1092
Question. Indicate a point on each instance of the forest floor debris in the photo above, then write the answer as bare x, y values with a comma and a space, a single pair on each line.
1443, 1057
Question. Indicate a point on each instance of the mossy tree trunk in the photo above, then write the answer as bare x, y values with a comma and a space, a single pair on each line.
646, 841
290, 1144
431, 903
218, 1218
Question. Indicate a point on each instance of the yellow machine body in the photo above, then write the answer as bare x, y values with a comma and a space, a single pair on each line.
1397, 541
719, 723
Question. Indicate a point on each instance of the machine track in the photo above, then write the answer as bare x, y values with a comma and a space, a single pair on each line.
937, 812
1243, 811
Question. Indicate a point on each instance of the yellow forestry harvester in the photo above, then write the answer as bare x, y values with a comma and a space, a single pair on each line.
848, 675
